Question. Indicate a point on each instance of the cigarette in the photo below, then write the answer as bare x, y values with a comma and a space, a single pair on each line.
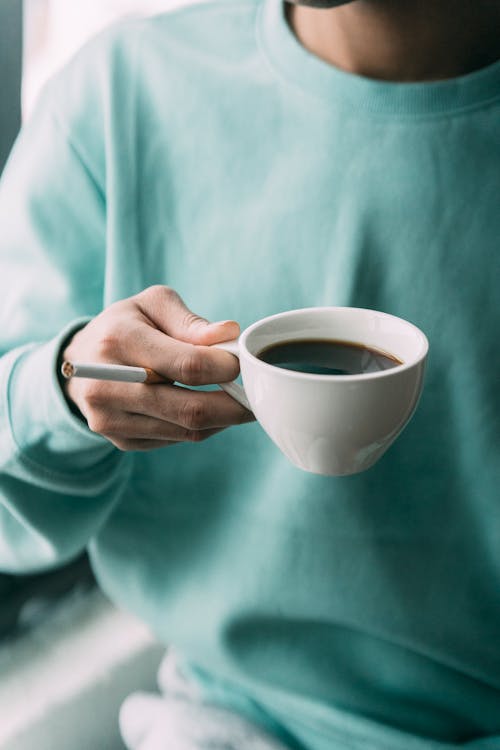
120, 373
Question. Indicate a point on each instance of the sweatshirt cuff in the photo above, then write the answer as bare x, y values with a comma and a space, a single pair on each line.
42, 424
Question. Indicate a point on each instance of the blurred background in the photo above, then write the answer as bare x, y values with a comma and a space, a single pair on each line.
67, 656
54, 29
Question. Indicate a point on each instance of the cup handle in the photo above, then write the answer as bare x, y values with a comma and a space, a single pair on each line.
235, 390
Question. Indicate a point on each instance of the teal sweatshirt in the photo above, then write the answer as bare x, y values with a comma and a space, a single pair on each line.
207, 150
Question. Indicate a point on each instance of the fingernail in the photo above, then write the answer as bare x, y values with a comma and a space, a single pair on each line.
223, 322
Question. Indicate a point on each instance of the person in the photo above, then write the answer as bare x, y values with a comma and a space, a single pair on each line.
225, 162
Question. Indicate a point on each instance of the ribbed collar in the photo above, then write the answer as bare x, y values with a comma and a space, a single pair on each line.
338, 88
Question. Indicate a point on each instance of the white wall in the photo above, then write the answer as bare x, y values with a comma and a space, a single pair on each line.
54, 29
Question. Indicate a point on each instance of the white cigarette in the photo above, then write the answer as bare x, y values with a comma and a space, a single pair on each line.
121, 373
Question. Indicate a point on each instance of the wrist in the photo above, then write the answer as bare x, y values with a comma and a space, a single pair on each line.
64, 383
42, 424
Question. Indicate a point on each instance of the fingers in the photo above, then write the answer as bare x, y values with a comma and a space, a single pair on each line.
193, 410
155, 329
136, 432
128, 332
175, 360
167, 312
168, 405
183, 354
133, 416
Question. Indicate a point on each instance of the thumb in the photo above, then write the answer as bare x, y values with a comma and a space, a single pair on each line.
168, 312
200, 331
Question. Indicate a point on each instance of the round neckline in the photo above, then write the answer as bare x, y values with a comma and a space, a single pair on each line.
337, 87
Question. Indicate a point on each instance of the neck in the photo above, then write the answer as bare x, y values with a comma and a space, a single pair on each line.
402, 40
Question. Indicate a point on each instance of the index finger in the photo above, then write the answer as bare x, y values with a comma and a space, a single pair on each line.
179, 361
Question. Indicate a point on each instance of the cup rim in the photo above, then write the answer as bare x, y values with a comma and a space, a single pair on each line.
295, 375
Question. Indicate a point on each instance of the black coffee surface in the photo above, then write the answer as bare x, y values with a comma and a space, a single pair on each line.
327, 357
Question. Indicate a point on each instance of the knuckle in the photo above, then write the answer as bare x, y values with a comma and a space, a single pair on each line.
156, 300
192, 368
150, 291
189, 320
193, 414
111, 328
158, 294
98, 422
109, 344
168, 293
153, 294
102, 421
95, 394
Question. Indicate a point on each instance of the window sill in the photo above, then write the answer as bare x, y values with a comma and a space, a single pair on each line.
63, 682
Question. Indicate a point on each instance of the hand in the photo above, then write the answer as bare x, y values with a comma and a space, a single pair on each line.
155, 329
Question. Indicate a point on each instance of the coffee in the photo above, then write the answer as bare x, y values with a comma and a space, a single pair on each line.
327, 357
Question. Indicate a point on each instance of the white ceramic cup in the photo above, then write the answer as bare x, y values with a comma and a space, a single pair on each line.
331, 424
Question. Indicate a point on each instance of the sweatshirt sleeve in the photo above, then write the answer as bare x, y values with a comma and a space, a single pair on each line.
58, 480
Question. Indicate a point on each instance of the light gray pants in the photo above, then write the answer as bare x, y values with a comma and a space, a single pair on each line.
178, 719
